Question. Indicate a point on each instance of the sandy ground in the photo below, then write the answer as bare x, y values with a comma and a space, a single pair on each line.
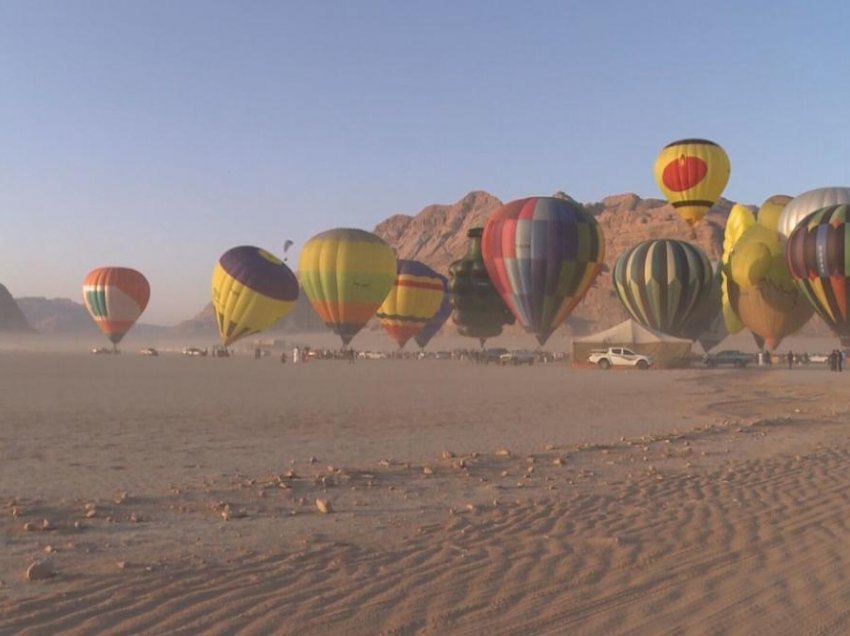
180, 497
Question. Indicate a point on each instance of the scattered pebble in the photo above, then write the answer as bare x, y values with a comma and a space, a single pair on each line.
30, 526
447, 454
324, 506
427, 470
502, 452
121, 498
40, 571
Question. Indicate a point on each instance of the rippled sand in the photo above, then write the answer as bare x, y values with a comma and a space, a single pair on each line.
465, 499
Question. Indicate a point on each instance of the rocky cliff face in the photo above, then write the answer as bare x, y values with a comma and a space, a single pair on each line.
437, 236
11, 317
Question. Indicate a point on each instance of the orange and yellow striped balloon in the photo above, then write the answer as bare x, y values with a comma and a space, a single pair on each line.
346, 274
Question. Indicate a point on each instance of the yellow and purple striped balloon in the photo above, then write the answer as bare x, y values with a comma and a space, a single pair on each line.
251, 290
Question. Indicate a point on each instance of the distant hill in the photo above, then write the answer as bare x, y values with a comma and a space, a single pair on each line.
12, 319
63, 316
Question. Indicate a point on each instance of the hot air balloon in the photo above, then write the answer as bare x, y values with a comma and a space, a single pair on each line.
542, 254
661, 282
251, 290
115, 298
477, 309
415, 297
436, 322
761, 291
819, 261
706, 324
346, 274
692, 173
804, 204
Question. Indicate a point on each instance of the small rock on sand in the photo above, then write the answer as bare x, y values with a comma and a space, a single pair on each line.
324, 506
427, 470
447, 454
40, 571
502, 452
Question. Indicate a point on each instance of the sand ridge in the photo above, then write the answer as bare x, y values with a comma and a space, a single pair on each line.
728, 521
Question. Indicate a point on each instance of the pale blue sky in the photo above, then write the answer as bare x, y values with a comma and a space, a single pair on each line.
158, 134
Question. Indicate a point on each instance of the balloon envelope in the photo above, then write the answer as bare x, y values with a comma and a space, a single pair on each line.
346, 274
804, 204
476, 307
692, 174
115, 298
436, 322
661, 282
542, 254
818, 253
251, 290
415, 297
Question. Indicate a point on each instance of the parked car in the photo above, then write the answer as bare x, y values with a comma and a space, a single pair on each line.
519, 356
149, 351
103, 350
619, 357
194, 351
731, 358
493, 355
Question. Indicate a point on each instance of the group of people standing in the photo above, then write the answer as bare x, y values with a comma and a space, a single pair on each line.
836, 360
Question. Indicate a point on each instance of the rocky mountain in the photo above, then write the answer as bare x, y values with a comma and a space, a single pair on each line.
12, 318
437, 236
57, 315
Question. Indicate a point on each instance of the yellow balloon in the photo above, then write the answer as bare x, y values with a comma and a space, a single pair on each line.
692, 174
251, 290
771, 210
750, 263
346, 274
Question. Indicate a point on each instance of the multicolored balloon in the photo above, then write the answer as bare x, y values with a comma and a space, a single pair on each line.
804, 204
706, 324
115, 298
692, 173
436, 322
346, 274
415, 297
251, 290
477, 309
818, 253
661, 282
542, 254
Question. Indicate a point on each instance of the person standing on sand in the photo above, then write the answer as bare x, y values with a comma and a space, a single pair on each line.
790, 359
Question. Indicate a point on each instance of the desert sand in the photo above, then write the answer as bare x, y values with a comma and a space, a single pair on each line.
179, 495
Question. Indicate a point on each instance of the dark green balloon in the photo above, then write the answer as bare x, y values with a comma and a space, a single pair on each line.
477, 308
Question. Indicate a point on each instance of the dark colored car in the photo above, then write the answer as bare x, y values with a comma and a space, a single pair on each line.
731, 358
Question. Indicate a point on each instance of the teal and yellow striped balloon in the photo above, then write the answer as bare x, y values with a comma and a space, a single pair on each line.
346, 274
660, 283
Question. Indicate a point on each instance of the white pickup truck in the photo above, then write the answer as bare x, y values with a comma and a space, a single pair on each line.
618, 357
